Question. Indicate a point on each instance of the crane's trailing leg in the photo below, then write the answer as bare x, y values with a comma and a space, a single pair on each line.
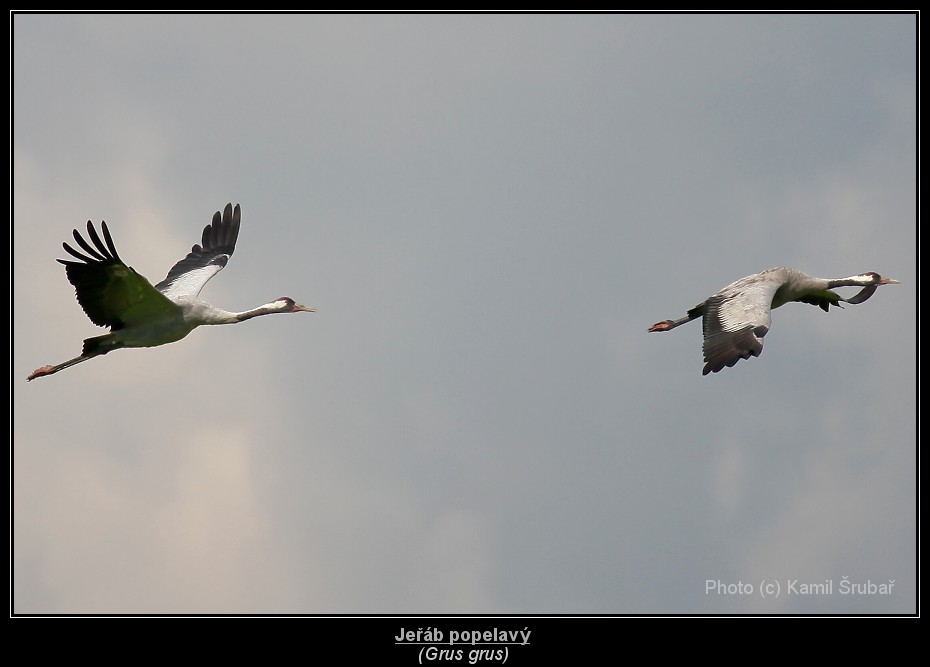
49, 370
667, 325
93, 347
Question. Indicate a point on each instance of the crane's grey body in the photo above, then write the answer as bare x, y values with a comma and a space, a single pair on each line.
736, 319
139, 314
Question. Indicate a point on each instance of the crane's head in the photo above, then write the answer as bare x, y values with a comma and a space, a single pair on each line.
870, 278
870, 282
286, 304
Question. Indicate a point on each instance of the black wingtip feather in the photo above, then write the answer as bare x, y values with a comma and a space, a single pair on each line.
74, 253
97, 242
222, 233
209, 237
109, 239
96, 253
93, 252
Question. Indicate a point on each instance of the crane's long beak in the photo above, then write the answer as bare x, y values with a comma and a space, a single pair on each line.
301, 308
889, 281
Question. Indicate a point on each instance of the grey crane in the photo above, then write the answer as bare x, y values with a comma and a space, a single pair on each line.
737, 317
112, 294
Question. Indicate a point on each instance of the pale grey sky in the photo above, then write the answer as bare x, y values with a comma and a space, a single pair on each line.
488, 212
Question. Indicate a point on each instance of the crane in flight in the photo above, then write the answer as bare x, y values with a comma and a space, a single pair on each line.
737, 317
112, 294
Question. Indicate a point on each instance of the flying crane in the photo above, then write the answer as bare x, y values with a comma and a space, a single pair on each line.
737, 317
138, 314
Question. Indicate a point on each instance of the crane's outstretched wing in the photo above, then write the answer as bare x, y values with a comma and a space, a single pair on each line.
187, 277
111, 293
736, 320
